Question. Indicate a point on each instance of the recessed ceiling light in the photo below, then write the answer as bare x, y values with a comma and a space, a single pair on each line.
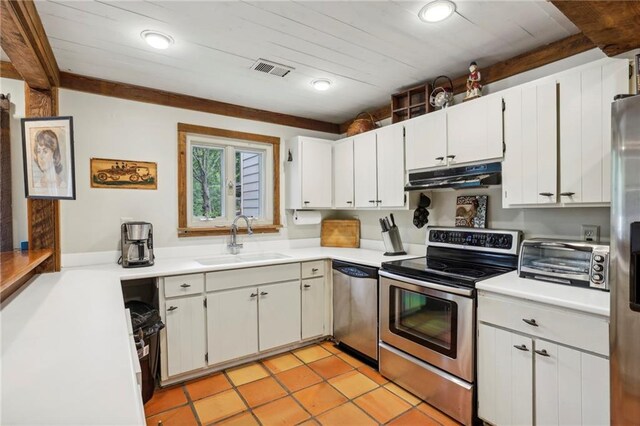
156, 39
321, 84
437, 11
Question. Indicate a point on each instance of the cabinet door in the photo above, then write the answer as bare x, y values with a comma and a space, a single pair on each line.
185, 334
426, 141
316, 173
591, 87
232, 322
474, 130
343, 173
505, 377
364, 169
547, 142
595, 390
279, 314
312, 307
570, 102
390, 162
512, 166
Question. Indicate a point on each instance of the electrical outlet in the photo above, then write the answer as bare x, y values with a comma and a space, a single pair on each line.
590, 233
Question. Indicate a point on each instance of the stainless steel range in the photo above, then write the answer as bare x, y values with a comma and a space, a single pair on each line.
428, 314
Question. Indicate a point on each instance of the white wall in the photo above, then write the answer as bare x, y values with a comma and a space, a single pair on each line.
15, 88
114, 128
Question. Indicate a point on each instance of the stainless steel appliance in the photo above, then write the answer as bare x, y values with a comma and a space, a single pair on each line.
137, 244
456, 177
355, 308
624, 273
428, 314
576, 263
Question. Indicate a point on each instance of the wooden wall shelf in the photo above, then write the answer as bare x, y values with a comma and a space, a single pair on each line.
410, 103
17, 267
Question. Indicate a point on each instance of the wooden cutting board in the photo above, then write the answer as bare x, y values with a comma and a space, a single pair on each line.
340, 233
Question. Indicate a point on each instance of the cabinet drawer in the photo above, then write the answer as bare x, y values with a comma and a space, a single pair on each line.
566, 327
182, 285
312, 269
235, 278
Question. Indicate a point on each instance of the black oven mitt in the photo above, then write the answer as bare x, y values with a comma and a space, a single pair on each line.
421, 214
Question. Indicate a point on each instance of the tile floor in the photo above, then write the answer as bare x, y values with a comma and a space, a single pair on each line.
317, 384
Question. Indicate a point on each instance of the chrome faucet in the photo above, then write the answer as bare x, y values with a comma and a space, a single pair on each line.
234, 246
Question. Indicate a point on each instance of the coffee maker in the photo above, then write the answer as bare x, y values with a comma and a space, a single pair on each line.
137, 244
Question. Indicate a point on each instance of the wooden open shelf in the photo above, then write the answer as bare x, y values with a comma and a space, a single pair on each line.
410, 103
17, 267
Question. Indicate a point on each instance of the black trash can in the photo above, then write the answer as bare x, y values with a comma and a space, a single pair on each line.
147, 324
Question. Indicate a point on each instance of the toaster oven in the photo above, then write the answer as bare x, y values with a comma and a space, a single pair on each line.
576, 263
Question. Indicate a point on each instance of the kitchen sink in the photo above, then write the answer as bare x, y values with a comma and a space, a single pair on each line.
240, 258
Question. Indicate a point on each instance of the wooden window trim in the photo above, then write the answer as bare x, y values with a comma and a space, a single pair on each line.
191, 129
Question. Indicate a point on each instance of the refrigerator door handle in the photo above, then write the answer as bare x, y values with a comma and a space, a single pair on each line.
634, 267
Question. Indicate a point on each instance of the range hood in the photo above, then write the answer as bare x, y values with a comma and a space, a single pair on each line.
456, 177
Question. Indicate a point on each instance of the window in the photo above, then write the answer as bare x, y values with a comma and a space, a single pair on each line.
223, 174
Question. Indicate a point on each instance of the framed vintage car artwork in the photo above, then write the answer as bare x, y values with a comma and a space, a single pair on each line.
123, 174
48, 160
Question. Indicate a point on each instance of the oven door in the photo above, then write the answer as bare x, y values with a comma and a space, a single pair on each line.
432, 322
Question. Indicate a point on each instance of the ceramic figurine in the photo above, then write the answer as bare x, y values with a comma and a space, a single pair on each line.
474, 88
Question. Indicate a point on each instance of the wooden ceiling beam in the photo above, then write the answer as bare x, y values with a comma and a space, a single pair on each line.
535, 58
613, 26
25, 43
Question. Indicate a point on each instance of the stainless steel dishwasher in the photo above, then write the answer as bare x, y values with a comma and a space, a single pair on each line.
355, 307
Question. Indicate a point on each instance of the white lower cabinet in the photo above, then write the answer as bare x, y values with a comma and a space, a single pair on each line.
278, 314
313, 308
186, 337
232, 318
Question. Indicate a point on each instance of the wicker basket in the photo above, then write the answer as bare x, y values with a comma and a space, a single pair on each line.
361, 125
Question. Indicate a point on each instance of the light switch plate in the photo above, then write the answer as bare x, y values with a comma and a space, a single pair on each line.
590, 233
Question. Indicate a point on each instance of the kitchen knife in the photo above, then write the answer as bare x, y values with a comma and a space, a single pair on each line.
382, 225
387, 224
393, 221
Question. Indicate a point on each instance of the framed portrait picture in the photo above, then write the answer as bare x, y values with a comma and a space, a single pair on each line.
47, 148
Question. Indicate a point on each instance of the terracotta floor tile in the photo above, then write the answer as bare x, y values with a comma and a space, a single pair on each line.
298, 378
261, 391
414, 417
164, 399
219, 406
355, 363
242, 419
181, 416
382, 405
373, 375
330, 367
207, 386
319, 398
310, 422
437, 415
282, 363
331, 347
284, 411
353, 384
346, 414
407, 396
312, 353
246, 373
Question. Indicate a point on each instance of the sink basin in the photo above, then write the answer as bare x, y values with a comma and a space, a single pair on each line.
240, 258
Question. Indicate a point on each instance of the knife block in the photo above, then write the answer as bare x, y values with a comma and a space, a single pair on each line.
392, 242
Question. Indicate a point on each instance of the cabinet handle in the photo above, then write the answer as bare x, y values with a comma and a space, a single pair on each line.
172, 308
546, 194
521, 347
185, 285
314, 270
379, 201
372, 201
263, 293
451, 157
306, 202
530, 322
543, 352
307, 286
439, 158
567, 194
349, 202
254, 295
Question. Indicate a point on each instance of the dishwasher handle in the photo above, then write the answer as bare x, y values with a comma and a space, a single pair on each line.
355, 270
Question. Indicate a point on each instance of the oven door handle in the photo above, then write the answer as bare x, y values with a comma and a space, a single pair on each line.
427, 284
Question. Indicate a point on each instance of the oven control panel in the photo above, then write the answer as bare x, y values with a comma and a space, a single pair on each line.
505, 240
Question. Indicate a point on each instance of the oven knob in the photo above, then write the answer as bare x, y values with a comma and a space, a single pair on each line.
597, 277
490, 241
598, 258
598, 268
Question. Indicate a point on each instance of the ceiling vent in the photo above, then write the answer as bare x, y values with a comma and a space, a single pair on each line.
272, 68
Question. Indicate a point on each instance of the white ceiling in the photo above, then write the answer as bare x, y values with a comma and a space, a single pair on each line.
369, 49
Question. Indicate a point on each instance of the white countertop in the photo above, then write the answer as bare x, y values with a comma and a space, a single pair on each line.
66, 357
576, 298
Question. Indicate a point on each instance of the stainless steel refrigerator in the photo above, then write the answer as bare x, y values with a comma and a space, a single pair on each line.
625, 262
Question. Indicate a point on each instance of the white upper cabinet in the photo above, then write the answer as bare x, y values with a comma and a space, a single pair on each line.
309, 173
390, 164
474, 130
343, 194
426, 141
364, 168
